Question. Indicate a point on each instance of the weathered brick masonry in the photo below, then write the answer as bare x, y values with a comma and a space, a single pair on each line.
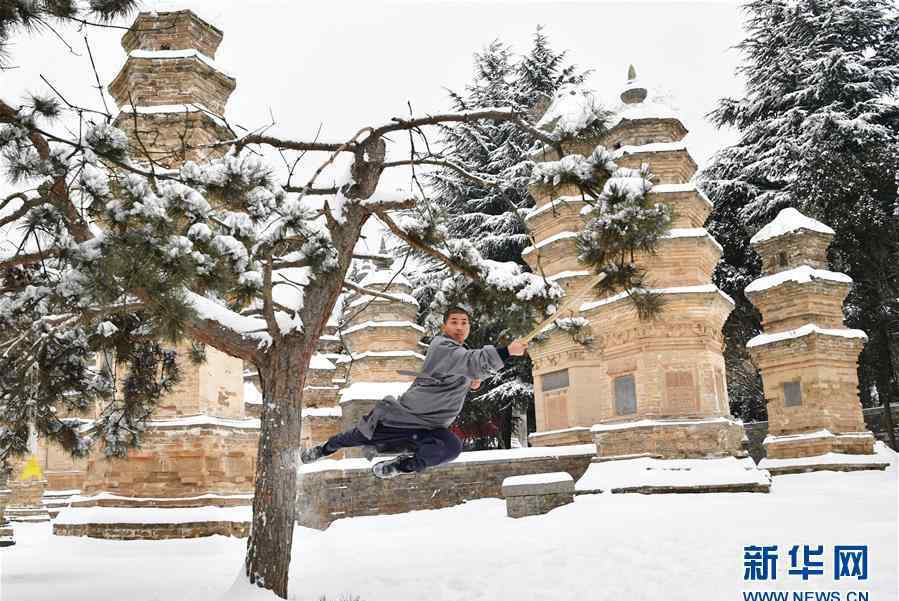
330, 494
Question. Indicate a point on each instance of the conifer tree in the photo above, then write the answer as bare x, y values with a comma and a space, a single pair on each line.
819, 127
118, 256
490, 212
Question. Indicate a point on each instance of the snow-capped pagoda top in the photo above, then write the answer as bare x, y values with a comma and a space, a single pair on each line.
381, 277
638, 105
792, 240
633, 92
789, 220
572, 110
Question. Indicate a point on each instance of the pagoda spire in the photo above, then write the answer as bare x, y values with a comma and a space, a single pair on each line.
633, 92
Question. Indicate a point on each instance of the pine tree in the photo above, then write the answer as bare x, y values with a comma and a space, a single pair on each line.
819, 128
491, 215
117, 257
40, 15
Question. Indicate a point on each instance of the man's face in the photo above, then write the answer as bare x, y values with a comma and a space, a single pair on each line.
457, 327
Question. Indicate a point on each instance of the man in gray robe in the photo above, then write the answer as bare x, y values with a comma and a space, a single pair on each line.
418, 421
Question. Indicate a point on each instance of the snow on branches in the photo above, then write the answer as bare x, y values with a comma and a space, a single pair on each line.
585, 172
573, 110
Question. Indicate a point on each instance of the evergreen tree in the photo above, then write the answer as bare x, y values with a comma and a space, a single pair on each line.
819, 132
490, 214
38, 15
115, 256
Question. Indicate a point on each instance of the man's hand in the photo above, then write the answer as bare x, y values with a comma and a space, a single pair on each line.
475, 384
517, 348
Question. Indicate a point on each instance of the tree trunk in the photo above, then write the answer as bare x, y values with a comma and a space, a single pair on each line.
274, 504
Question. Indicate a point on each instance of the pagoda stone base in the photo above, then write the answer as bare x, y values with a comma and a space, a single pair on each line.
25, 503
156, 531
180, 458
679, 438
830, 460
654, 475
555, 438
819, 442
27, 514
128, 518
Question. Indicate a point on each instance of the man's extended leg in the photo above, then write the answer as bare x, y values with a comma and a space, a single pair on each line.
432, 447
350, 438
384, 439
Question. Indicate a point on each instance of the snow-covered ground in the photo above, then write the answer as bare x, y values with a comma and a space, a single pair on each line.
630, 546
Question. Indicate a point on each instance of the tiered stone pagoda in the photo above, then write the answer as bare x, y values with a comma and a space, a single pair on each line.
200, 449
807, 357
646, 388
171, 93
382, 339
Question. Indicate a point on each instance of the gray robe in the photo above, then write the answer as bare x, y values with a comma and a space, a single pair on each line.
438, 392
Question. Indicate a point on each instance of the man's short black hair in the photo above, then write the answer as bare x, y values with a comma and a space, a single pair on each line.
455, 309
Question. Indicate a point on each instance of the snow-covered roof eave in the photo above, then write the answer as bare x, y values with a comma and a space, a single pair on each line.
806, 330
175, 54
803, 274
174, 109
789, 221
701, 289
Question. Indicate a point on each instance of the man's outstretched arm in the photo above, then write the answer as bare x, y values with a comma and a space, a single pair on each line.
475, 364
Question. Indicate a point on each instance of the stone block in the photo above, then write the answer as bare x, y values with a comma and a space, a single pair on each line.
537, 494
538, 484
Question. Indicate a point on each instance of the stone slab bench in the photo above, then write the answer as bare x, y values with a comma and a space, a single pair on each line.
536, 494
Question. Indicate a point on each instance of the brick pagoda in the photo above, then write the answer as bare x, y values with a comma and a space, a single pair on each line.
651, 389
199, 451
807, 357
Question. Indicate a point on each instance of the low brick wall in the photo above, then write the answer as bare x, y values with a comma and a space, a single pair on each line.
348, 489
153, 531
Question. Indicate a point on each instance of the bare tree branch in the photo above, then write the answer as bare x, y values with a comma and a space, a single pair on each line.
28, 258
369, 291
389, 205
366, 257
289, 264
428, 250
284, 144
311, 191
69, 104
494, 114
27, 205
449, 165
90, 314
343, 147
97, 76
57, 34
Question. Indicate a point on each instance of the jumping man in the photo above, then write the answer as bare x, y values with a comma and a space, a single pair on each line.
419, 419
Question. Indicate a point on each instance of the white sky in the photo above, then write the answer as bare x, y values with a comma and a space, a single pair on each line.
346, 65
